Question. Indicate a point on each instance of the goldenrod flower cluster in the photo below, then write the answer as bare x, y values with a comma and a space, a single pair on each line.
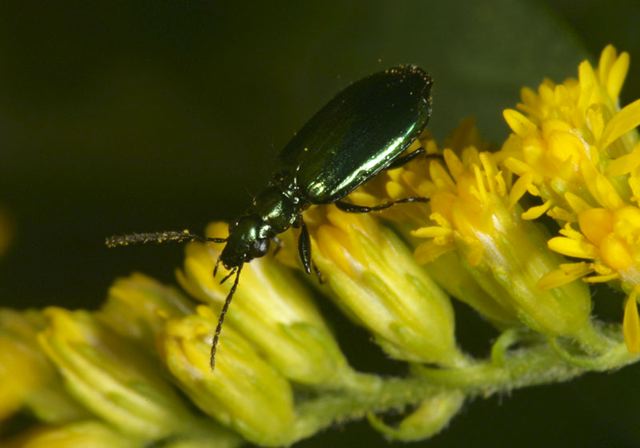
517, 233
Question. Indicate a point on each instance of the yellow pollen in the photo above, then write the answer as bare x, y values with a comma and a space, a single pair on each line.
627, 224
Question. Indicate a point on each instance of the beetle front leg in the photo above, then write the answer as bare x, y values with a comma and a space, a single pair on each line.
354, 208
304, 247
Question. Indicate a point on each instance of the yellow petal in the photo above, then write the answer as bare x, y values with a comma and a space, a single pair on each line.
537, 211
577, 203
518, 123
516, 166
519, 188
430, 251
621, 123
600, 187
631, 324
431, 232
626, 163
572, 248
561, 214
566, 274
617, 75
607, 59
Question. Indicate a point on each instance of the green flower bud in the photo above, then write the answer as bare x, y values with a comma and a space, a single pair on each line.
428, 419
244, 392
110, 377
511, 271
452, 274
146, 303
377, 281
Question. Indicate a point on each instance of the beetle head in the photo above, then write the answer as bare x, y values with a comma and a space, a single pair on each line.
247, 240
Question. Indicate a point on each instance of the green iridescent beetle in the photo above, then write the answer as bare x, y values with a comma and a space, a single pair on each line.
360, 132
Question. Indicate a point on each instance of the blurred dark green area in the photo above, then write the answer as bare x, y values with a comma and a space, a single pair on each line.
150, 115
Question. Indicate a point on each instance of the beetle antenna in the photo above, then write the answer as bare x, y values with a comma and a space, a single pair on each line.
228, 276
215, 268
223, 312
170, 236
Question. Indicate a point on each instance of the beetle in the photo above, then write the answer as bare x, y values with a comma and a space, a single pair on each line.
363, 130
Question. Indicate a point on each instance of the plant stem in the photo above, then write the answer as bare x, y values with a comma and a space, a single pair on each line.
538, 364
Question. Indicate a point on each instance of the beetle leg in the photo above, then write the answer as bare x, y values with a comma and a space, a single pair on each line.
304, 247
353, 208
404, 159
317, 272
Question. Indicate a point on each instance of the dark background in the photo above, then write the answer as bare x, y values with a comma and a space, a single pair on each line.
151, 115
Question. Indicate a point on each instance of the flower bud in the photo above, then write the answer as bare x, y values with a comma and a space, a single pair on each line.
377, 281
148, 304
110, 377
273, 310
244, 392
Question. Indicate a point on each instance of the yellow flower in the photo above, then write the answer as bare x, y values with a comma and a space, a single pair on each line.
573, 138
476, 213
412, 179
574, 147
